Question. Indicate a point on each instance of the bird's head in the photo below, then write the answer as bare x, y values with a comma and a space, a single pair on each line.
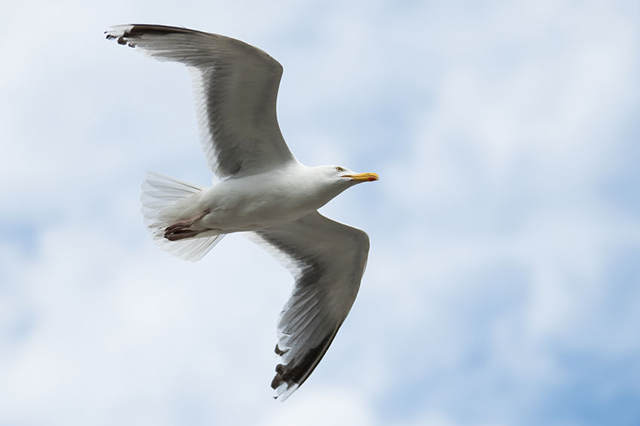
343, 175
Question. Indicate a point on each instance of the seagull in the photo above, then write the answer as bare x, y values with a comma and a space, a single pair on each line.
261, 189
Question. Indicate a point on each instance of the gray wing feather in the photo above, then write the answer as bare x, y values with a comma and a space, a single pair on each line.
328, 260
236, 88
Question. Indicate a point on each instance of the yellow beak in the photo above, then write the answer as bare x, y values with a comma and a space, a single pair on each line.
363, 177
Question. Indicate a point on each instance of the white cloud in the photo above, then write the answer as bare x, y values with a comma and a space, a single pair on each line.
333, 406
492, 246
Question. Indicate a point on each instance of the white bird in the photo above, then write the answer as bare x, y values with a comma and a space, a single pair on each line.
264, 190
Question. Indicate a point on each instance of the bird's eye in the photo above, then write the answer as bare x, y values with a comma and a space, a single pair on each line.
339, 169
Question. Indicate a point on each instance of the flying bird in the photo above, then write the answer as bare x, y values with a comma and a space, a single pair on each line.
262, 189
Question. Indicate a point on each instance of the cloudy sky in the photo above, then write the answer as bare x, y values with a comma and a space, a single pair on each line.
503, 285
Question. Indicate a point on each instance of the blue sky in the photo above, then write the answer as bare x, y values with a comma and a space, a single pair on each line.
503, 282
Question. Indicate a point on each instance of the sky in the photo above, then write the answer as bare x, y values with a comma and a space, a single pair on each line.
503, 283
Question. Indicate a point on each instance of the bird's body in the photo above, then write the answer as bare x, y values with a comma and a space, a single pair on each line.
260, 201
264, 190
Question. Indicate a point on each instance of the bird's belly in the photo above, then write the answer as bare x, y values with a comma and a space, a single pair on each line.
236, 212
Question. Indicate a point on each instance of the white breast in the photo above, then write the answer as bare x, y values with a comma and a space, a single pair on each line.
259, 201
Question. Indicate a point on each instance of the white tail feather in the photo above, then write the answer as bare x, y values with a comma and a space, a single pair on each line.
164, 201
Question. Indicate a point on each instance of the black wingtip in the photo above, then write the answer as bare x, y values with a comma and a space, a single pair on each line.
280, 351
130, 33
120, 36
295, 373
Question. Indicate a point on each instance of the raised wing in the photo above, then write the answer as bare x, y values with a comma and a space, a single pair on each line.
328, 260
236, 87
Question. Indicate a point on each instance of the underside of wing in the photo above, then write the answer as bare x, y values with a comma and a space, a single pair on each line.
236, 88
328, 260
